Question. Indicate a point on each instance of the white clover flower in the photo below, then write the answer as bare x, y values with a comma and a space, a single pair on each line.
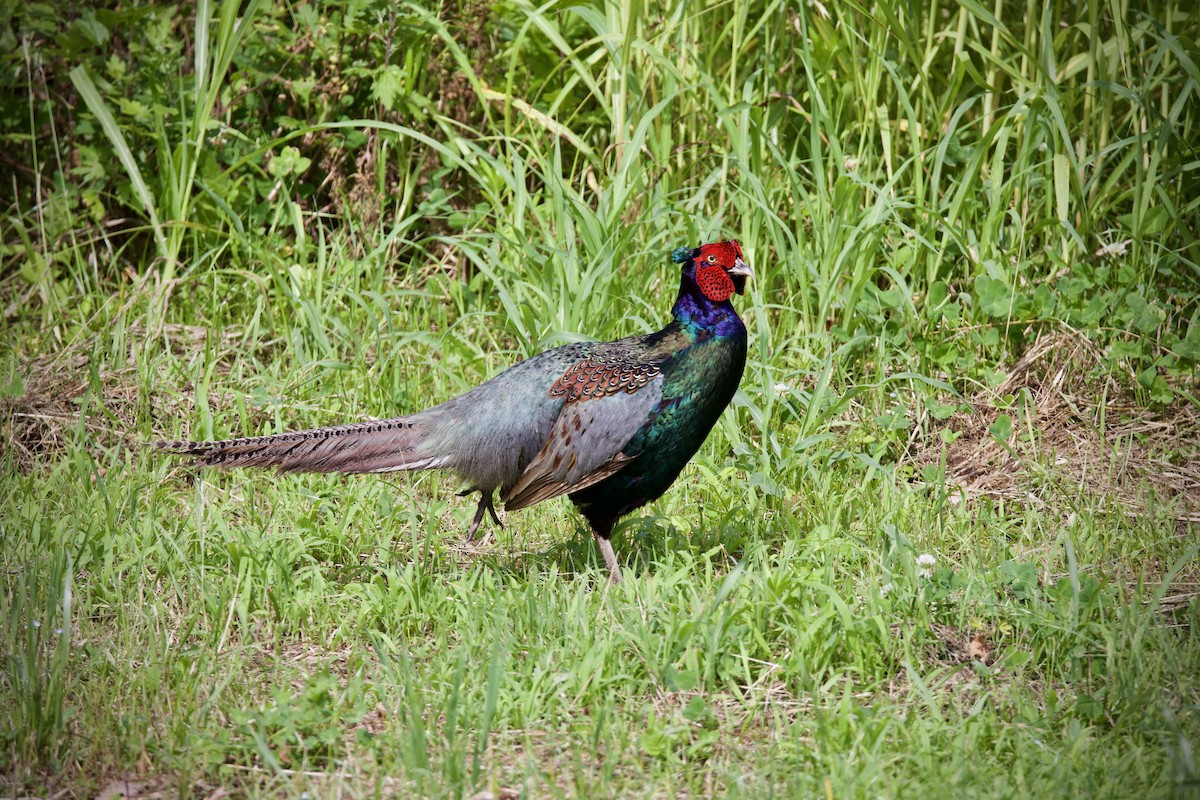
851, 164
1113, 249
926, 562
36, 624
886, 589
782, 389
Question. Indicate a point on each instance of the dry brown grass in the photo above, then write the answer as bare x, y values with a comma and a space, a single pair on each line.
65, 395
1088, 437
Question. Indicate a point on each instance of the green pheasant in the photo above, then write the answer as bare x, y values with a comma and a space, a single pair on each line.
610, 424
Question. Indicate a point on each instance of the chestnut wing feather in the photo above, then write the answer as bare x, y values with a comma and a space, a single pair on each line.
605, 403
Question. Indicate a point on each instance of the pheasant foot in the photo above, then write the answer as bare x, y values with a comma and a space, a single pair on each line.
485, 504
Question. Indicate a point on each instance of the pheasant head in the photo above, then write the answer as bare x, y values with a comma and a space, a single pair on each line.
711, 274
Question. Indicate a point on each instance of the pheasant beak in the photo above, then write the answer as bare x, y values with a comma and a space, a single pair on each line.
740, 271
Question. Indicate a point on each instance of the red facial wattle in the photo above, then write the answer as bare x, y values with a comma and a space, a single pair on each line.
715, 282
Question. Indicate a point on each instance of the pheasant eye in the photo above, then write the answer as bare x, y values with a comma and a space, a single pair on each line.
712, 259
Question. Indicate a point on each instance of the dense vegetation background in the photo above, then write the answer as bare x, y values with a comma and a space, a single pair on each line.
943, 544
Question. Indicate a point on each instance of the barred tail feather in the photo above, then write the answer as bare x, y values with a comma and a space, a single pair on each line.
384, 446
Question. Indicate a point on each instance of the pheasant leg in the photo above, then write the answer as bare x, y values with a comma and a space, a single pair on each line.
485, 504
610, 558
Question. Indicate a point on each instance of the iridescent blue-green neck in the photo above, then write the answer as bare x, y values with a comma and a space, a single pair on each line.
697, 314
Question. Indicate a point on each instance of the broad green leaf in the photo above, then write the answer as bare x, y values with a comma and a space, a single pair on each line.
993, 295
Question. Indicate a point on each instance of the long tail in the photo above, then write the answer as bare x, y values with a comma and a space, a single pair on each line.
384, 446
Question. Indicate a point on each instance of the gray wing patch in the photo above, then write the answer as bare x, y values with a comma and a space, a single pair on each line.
584, 446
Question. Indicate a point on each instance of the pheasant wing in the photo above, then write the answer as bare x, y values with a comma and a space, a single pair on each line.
605, 402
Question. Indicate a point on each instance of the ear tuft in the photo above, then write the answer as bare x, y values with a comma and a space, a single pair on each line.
682, 254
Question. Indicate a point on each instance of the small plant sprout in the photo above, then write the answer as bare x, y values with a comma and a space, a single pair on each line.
926, 562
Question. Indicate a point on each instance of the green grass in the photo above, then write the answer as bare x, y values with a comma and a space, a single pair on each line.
923, 193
